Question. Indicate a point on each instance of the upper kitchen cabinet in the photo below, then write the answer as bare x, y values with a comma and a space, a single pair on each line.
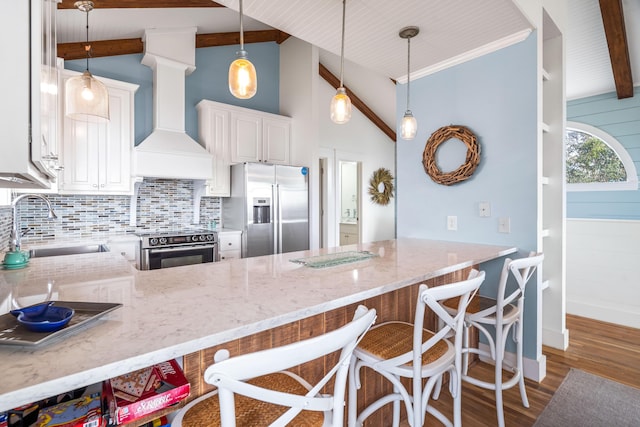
97, 156
260, 137
237, 135
29, 84
213, 131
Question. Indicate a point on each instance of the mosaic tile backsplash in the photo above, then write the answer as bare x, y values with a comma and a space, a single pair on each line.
163, 204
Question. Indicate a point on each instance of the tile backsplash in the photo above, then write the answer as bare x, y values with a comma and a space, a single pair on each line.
162, 204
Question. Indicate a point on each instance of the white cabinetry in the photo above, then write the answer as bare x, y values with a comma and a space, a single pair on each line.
97, 156
213, 131
348, 234
29, 86
260, 137
229, 244
237, 135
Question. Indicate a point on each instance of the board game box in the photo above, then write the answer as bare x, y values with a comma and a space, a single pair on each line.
142, 392
85, 411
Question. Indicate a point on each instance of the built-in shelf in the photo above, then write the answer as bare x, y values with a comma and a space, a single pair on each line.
545, 75
545, 127
545, 284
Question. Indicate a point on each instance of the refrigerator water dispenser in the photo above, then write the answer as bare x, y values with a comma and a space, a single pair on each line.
261, 210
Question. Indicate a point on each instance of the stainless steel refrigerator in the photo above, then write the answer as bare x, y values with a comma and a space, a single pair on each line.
270, 204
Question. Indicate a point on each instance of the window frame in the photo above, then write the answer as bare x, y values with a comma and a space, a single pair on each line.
627, 162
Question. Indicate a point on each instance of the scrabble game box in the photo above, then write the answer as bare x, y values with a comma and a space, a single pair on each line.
142, 392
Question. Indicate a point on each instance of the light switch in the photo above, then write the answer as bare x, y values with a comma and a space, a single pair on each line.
504, 224
452, 223
484, 209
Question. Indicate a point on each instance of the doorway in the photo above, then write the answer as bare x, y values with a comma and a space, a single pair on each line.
349, 202
331, 212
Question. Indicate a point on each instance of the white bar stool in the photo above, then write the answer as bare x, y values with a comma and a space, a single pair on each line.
503, 313
253, 389
399, 350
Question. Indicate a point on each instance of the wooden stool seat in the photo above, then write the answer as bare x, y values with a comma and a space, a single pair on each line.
205, 411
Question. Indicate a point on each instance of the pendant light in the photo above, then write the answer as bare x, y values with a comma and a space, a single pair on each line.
243, 81
86, 98
341, 104
409, 125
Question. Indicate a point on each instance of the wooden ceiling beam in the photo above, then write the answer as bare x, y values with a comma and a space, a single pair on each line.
101, 48
226, 39
141, 4
614, 29
357, 102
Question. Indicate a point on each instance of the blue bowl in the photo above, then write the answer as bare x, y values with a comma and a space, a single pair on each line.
33, 310
44, 317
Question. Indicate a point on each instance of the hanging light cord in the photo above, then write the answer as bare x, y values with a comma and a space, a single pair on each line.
408, 69
87, 46
344, 9
241, 30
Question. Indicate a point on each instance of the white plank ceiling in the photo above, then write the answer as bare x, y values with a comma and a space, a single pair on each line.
448, 29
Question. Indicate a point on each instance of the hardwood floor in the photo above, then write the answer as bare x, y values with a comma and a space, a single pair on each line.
610, 351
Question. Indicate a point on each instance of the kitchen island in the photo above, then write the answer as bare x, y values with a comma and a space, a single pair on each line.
184, 311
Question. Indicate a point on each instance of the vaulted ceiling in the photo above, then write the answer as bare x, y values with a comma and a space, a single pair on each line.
448, 30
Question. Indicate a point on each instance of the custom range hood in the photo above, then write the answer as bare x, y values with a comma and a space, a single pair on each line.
168, 152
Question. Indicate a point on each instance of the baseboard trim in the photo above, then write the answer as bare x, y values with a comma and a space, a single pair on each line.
555, 339
534, 370
616, 315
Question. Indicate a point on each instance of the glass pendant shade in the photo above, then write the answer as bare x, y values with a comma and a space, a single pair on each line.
340, 107
409, 126
243, 80
86, 99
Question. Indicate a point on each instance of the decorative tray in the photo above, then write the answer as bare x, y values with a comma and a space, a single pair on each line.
12, 333
338, 258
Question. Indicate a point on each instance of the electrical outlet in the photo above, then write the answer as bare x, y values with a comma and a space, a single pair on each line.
504, 224
452, 223
484, 209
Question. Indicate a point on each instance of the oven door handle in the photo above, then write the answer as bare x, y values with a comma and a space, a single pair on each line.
181, 248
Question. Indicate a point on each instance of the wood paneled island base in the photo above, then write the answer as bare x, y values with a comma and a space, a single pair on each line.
395, 305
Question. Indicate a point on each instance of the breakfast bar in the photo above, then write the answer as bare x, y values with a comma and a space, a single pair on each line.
189, 310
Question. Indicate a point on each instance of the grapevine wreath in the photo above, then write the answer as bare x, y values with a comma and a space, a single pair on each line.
442, 135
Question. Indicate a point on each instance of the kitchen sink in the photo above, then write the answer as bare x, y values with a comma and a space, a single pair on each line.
67, 250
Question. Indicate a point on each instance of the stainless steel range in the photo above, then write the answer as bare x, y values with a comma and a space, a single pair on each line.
174, 248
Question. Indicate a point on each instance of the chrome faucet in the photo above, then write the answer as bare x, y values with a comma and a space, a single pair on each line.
16, 235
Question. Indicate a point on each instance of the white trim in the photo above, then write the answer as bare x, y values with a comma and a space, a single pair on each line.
618, 220
632, 175
556, 339
604, 312
469, 55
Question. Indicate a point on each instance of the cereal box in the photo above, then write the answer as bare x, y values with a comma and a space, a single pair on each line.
142, 392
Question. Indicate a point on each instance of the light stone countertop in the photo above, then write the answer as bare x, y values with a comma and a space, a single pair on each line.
172, 312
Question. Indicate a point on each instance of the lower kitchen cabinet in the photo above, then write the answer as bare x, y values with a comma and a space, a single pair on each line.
229, 244
97, 157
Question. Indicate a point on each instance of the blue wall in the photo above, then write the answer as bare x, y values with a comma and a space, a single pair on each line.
495, 96
619, 118
208, 81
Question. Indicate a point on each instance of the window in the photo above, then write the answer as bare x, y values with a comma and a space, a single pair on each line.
596, 161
